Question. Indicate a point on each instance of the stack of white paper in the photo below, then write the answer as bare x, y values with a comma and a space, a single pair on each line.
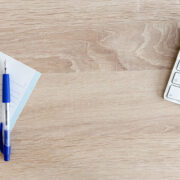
22, 82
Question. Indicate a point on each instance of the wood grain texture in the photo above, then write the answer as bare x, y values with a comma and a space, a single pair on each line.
97, 112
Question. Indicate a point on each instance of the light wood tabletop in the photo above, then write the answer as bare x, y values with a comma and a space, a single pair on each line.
97, 112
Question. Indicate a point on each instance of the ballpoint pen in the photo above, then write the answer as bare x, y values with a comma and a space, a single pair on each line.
6, 123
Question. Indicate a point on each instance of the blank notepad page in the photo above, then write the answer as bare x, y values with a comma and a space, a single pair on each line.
22, 82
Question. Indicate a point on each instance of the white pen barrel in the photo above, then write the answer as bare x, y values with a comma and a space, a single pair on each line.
6, 124
6, 117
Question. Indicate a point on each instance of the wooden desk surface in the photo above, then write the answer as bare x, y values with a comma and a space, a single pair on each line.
97, 112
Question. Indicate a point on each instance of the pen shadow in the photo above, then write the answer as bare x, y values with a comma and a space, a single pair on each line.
1, 157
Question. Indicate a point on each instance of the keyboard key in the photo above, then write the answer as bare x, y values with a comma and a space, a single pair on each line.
178, 67
174, 93
176, 79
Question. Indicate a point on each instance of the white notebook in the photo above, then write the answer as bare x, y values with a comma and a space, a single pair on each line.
22, 82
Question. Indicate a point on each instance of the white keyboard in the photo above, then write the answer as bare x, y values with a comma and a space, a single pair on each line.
172, 92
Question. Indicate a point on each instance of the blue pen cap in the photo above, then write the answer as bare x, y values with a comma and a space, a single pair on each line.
6, 89
7, 152
7, 147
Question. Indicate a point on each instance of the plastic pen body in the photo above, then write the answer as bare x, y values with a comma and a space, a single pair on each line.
6, 123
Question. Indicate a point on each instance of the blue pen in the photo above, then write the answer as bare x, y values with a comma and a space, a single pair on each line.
6, 123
